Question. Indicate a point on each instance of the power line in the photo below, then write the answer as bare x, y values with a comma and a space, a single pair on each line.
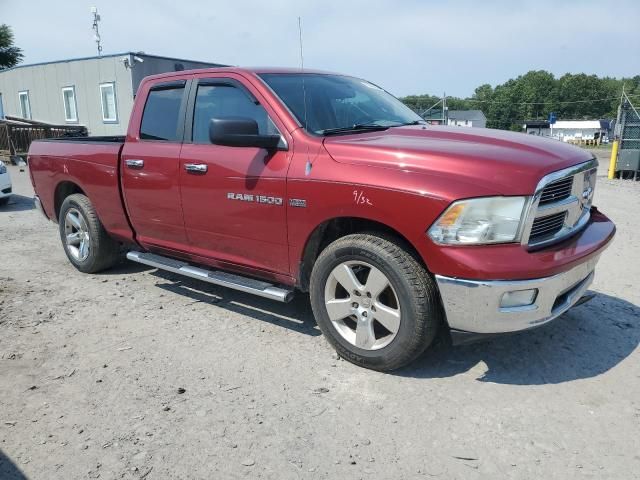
559, 102
562, 102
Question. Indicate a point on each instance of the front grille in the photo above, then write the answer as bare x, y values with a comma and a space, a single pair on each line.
556, 191
7, 190
563, 204
546, 227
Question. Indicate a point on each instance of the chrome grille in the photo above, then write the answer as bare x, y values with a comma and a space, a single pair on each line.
556, 191
560, 206
545, 227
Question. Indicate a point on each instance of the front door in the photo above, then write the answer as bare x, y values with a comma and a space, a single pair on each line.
151, 169
233, 198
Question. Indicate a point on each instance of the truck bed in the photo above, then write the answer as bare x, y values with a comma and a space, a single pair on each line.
90, 163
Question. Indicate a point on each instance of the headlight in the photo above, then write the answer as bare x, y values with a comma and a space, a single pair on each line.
479, 221
3, 168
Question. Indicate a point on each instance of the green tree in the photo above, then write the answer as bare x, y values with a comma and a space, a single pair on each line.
582, 96
537, 93
420, 102
10, 55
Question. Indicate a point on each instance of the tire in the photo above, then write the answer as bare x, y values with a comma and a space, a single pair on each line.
91, 249
398, 321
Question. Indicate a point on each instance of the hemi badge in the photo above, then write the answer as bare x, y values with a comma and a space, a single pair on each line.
297, 202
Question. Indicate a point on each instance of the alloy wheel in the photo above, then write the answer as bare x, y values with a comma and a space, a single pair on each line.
362, 305
77, 235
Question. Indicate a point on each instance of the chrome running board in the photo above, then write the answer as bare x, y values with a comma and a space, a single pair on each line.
217, 277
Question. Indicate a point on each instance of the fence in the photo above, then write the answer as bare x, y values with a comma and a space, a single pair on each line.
627, 161
16, 134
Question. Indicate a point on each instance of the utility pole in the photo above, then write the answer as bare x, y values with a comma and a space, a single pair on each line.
96, 36
445, 112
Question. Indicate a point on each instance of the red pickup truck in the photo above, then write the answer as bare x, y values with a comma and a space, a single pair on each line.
270, 181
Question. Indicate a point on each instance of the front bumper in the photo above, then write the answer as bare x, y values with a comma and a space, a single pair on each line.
474, 305
5, 185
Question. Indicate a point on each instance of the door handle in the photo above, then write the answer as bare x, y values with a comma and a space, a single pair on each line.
196, 167
134, 163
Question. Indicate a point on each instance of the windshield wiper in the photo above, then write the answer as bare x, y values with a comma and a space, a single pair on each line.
415, 122
358, 127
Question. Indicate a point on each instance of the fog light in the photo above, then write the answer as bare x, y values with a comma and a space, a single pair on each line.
519, 298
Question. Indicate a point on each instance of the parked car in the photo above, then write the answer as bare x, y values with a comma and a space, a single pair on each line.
271, 181
5, 184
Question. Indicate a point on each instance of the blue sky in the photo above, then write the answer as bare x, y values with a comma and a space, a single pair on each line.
407, 46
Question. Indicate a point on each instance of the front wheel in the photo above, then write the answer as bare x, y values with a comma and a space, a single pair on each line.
87, 244
374, 302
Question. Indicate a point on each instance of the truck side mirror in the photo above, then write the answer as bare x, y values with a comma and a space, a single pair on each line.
240, 132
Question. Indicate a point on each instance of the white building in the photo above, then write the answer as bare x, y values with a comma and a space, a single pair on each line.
577, 130
466, 118
573, 131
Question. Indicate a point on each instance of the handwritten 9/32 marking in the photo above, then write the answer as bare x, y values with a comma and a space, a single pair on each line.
360, 198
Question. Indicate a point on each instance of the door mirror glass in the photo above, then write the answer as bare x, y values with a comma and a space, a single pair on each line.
240, 132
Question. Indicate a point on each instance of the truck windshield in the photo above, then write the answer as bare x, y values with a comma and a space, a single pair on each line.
339, 104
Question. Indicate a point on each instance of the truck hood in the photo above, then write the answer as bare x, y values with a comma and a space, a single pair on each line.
506, 163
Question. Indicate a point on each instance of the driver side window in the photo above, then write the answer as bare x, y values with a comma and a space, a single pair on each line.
224, 101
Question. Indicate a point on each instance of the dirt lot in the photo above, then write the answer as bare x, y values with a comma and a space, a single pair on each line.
92, 369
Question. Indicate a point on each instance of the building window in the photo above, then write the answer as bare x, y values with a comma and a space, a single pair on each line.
25, 105
69, 101
108, 99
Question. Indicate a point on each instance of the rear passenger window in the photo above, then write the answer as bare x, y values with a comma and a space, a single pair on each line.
161, 114
223, 101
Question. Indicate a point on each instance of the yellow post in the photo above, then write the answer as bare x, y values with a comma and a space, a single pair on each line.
614, 159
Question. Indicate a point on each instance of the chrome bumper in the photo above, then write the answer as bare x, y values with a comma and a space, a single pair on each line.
474, 305
38, 205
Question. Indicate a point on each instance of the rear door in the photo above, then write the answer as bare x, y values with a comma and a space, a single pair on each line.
151, 168
233, 198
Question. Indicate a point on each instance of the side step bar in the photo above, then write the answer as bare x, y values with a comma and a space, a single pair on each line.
217, 277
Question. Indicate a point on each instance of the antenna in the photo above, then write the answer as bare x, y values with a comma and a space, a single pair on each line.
309, 164
300, 36
96, 36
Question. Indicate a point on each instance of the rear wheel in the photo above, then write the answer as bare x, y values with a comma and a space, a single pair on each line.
87, 244
375, 303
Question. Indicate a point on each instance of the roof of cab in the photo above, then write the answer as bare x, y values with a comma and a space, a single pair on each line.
239, 70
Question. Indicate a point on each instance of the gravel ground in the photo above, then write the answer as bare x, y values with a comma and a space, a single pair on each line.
135, 373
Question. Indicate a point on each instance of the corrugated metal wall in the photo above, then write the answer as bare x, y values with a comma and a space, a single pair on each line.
45, 82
